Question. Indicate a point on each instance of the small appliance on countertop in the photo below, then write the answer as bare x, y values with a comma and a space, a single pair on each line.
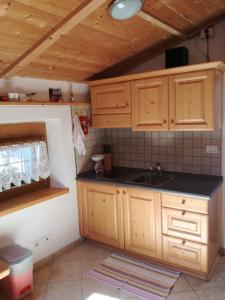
98, 159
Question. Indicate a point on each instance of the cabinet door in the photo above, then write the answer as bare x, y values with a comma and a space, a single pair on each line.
103, 213
191, 100
185, 253
150, 104
111, 98
142, 222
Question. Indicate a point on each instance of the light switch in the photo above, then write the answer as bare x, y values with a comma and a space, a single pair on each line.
212, 149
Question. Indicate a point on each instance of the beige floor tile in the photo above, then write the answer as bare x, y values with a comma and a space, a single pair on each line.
221, 260
42, 275
197, 283
65, 272
211, 294
70, 256
91, 286
220, 269
128, 296
38, 293
182, 285
183, 296
71, 290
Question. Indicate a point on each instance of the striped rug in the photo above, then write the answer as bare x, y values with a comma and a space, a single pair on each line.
142, 279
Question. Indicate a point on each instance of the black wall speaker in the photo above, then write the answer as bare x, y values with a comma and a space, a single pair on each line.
176, 57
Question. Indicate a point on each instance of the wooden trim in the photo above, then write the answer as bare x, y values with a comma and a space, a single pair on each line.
47, 260
30, 199
218, 65
68, 23
153, 20
83, 105
4, 269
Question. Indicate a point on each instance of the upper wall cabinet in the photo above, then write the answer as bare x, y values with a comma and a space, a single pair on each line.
195, 100
111, 105
150, 104
184, 98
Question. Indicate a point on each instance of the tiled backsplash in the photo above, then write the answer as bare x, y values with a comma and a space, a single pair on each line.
176, 151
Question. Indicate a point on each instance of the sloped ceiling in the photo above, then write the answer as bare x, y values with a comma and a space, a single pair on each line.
74, 40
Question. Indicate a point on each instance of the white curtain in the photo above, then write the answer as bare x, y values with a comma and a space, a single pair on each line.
23, 163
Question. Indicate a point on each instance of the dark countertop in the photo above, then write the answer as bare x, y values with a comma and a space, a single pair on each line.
203, 186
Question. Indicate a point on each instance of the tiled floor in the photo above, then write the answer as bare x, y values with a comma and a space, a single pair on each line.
66, 279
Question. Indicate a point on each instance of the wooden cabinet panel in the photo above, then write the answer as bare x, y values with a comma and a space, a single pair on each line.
111, 121
185, 203
103, 214
142, 222
185, 225
191, 100
185, 253
150, 104
112, 98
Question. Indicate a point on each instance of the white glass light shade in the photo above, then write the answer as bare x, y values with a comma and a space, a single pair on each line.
125, 9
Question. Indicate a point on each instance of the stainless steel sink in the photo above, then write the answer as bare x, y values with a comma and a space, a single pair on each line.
152, 179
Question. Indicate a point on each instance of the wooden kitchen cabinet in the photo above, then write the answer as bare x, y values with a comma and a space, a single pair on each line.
176, 230
111, 105
150, 104
195, 100
142, 222
102, 211
182, 98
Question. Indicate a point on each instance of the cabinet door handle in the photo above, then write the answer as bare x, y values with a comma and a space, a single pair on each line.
172, 121
183, 242
124, 192
183, 212
117, 191
183, 201
164, 122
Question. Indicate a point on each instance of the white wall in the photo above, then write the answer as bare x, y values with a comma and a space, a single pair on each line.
217, 51
30, 85
57, 217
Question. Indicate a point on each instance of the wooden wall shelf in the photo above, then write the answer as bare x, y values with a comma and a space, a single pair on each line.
83, 105
14, 204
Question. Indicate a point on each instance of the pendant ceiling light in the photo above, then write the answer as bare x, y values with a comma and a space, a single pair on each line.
125, 9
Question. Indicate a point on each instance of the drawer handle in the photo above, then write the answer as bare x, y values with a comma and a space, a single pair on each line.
183, 201
183, 212
118, 192
124, 192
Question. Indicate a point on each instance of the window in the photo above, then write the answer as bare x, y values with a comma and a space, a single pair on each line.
23, 163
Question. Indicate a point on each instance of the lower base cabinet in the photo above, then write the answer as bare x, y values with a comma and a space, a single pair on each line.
185, 253
142, 222
103, 214
181, 232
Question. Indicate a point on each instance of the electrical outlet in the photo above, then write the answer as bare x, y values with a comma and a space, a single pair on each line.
212, 149
204, 32
41, 241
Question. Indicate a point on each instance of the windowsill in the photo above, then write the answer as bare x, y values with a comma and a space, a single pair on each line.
17, 203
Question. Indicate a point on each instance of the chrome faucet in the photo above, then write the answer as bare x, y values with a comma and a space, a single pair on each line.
157, 169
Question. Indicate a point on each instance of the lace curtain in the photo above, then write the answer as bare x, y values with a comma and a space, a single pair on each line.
22, 163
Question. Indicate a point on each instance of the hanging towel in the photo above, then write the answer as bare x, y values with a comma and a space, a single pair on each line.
78, 136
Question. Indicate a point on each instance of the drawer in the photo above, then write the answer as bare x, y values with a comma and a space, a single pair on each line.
185, 253
185, 225
185, 203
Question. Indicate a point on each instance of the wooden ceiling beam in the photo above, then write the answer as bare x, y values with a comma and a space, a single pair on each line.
155, 21
68, 23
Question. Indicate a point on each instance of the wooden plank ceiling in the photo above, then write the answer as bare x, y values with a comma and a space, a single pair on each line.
74, 40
